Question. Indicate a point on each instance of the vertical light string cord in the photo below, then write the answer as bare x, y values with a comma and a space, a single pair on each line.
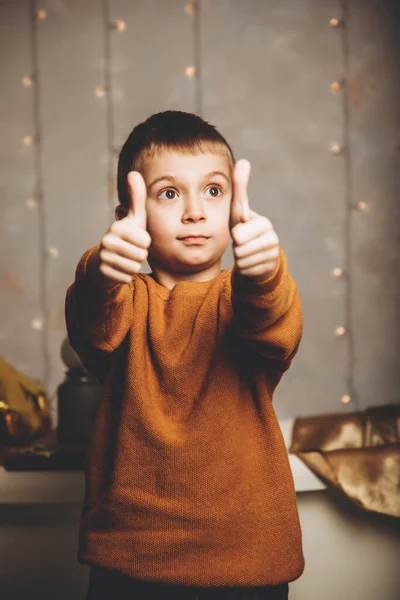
39, 195
109, 109
197, 58
349, 205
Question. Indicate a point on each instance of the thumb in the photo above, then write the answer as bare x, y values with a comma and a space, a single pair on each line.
137, 198
240, 210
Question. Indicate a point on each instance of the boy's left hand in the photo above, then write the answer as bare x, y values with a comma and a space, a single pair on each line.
256, 244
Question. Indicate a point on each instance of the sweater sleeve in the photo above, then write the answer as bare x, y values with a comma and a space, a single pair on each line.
96, 317
268, 314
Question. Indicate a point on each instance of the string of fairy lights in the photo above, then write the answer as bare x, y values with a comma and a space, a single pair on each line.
339, 88
103, 89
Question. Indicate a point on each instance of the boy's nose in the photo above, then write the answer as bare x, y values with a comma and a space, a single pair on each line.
193, 216
193, 211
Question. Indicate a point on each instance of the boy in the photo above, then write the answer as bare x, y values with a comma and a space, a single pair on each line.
189, 491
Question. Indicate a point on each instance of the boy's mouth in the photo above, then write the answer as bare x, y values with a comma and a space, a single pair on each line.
194, 239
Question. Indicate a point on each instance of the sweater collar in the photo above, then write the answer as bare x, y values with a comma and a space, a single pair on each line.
183, 288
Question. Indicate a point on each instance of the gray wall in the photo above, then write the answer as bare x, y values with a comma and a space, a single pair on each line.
263, 75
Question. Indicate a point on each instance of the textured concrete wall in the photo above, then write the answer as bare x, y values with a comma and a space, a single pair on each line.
263, 75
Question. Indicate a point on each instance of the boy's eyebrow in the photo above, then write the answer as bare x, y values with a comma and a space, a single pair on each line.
171, 178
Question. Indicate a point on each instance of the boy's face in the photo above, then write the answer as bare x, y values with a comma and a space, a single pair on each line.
187, 194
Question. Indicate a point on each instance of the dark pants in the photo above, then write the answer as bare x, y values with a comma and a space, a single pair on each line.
105, 584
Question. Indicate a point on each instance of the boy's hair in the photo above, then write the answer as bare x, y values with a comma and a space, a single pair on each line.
175, 130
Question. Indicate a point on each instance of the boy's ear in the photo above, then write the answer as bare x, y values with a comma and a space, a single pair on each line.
120, 212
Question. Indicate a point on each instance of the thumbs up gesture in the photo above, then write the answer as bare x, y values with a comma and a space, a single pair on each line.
124, 246
255, 243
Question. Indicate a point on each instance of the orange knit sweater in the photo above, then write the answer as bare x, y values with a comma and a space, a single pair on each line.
188, 478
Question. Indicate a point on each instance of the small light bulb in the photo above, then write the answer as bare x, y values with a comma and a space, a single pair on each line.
190, 72
334, 22
53, 252
363, 206
190, 7
335, 86
31, 203
27, 81
335, 148
41, 14
345, 399
37, 324
28, 140
100, 91
337, 272
340, 330
120, 25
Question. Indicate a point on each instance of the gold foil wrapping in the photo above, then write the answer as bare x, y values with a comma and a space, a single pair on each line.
358, 453
24, 409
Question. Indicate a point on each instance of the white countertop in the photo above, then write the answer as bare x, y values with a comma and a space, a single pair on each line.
60, 487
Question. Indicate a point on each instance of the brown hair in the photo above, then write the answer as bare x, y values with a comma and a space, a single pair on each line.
169, 130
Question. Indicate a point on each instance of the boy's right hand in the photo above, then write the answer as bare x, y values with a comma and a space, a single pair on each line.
123, 249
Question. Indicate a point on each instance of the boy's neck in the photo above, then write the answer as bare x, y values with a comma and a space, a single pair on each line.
169, 279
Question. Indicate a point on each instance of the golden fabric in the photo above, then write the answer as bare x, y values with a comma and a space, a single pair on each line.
358, 453
24, 408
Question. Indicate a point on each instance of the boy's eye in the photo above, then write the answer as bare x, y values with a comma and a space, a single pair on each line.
214, 191
170, 194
